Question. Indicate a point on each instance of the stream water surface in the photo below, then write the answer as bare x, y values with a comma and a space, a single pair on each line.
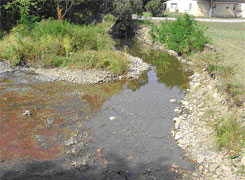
118, 130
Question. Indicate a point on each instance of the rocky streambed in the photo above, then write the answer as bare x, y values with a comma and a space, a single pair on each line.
135, 68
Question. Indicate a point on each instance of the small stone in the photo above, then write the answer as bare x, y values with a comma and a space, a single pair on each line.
175, 119
102, 124
227, 171
218, 172
50, 121
130, 157
177, 136
214, 167
173, 100
200, 159
200, 168
26, 113
243, 160
185, 103
112, 118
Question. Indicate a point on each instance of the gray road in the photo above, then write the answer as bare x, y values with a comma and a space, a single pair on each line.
224, 20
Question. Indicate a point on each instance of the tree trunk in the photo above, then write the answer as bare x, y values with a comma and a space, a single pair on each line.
59, 15
210, 13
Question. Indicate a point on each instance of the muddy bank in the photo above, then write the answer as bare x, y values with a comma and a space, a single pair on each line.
135, 68
203, 105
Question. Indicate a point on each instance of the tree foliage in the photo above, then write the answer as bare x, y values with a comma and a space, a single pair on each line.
155, 7
123, 10
75, 11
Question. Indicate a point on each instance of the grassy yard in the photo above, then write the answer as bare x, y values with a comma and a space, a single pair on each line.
230, 39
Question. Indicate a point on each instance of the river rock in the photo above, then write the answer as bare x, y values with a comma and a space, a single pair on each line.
227, 171
200, 159
50, 121
177, 136
173, 100
112, 118
213, 167
243, 160
26, 113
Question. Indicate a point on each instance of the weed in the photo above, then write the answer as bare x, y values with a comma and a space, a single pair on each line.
229, 133
51, 43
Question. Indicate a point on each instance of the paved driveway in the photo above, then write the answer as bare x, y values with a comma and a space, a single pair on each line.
232, 20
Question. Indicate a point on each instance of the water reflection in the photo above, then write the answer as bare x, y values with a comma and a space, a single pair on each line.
54, 109
167, 68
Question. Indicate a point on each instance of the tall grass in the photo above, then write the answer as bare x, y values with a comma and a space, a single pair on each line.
229, 133
51, 43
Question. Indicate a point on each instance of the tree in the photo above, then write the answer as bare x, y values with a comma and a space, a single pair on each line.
210, 12
155, 7
123, 10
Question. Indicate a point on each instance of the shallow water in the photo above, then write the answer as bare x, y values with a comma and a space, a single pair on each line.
138, 137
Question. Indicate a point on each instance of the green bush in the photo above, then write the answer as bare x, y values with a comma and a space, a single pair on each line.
183, 35
155, 7
51, 43
2, 33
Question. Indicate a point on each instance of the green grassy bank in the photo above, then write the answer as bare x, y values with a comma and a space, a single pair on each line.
51, 43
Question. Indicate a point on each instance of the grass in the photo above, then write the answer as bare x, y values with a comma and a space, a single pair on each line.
147, 14
53, 44
229, 38
229, 133
229, 65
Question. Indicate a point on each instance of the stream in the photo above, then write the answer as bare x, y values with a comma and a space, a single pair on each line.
114, 131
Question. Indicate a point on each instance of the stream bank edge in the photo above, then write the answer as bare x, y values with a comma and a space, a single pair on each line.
192, 130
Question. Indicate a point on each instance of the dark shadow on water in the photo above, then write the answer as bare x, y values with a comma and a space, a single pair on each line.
118, 169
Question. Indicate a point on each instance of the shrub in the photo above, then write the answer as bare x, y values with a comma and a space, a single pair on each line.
183, 35
155, 7
52, 44
2, 33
